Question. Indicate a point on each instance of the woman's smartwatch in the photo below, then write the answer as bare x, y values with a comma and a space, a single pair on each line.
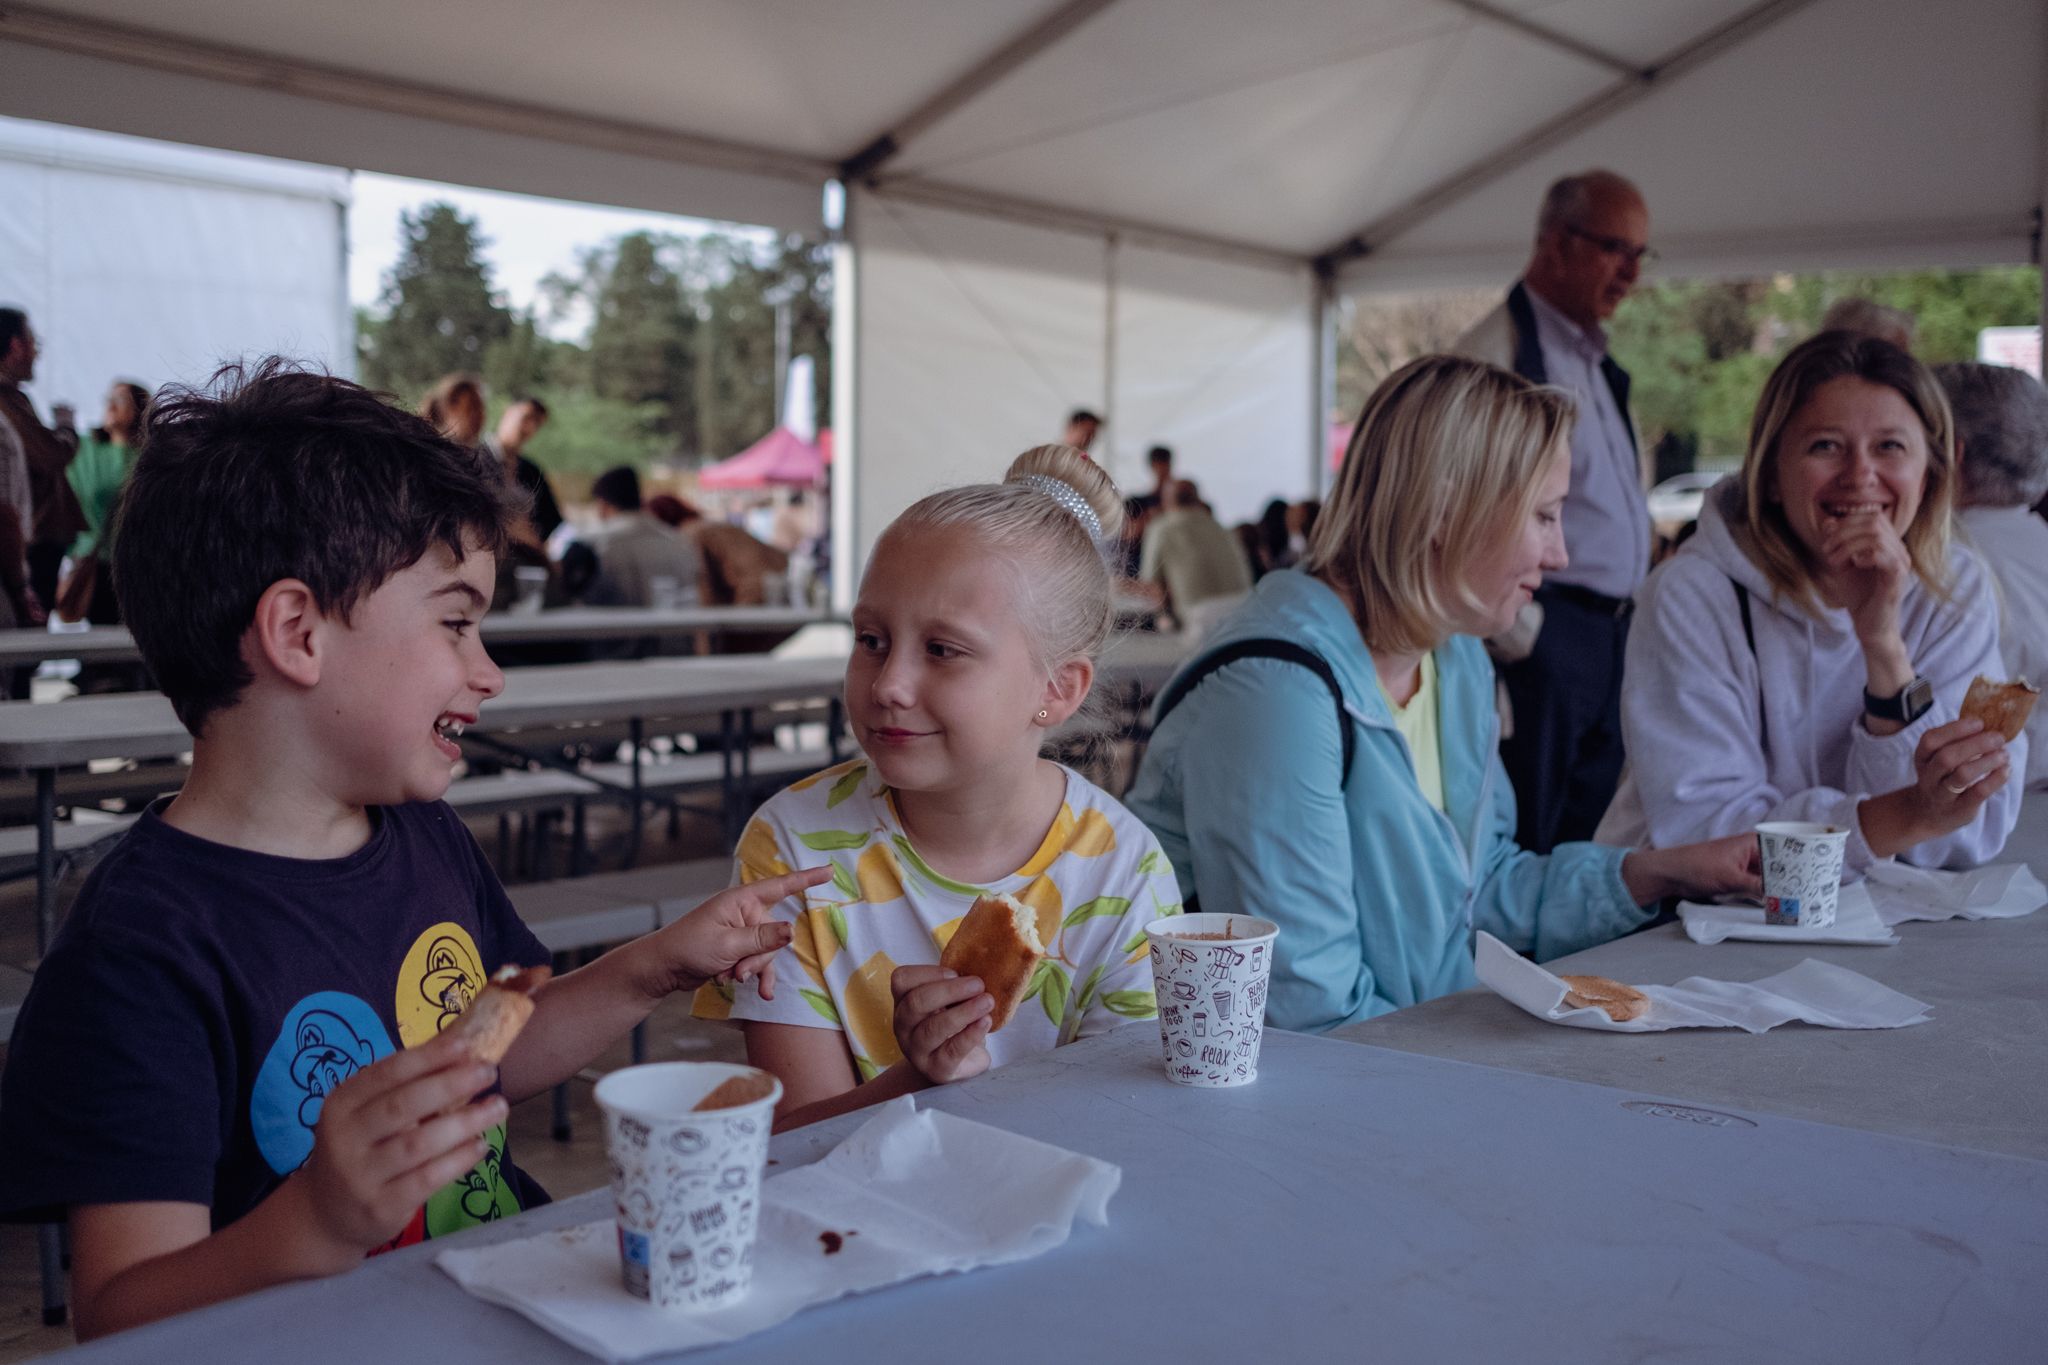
1908, 706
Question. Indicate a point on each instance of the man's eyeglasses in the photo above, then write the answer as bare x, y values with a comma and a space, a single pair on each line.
1617, 248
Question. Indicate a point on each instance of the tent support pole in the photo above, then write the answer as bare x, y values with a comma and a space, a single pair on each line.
846, 404
1109, 249
1322, 376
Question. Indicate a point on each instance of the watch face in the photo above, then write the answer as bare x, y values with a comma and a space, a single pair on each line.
1918, 696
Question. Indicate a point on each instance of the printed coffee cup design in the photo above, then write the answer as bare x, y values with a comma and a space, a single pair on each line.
686, 1183
1802, 871
1210, 973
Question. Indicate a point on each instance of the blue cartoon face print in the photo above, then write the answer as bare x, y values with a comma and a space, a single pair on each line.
326, 1038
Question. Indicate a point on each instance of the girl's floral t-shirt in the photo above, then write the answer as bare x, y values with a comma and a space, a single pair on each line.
1096, 881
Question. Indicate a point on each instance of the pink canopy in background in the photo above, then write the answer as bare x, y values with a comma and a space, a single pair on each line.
781, 458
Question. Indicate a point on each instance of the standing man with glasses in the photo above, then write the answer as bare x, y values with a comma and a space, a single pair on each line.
1561, 664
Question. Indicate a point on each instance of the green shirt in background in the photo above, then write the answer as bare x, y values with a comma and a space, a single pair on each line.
1417, 723
97, 473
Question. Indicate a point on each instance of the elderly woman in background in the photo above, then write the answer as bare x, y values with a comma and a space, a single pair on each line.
2002, 446
97, 474
1804, 656
1330, 761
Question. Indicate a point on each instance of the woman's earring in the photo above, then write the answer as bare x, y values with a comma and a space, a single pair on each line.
1041, 714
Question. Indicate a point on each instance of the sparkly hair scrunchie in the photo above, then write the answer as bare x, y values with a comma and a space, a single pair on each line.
1068, 497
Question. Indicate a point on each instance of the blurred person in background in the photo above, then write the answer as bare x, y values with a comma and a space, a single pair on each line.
1561, 659
1140, 509
1872, 319
736, 566
1193, 561
2002, 446
455, 405
97, 474
641, 562
14, 514
1082, 425
51, 514
519, 423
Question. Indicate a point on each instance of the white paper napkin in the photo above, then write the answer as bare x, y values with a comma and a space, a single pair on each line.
2001, 891
1856, 921
1814, 991
911, 1193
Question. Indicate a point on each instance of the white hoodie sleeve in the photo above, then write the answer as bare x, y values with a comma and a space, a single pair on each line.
1954, 642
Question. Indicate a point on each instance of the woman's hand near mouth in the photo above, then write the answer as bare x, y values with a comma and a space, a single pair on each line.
1867, 568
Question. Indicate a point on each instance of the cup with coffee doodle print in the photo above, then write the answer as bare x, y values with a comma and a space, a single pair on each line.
1210, 973
1802, 868
686, 1181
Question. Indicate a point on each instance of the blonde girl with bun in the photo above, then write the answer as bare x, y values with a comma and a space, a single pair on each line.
976, 635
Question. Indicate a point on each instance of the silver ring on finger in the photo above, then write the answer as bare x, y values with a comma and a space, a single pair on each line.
1954, 791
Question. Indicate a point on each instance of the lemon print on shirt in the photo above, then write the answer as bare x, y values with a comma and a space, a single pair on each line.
1093, 835
879, 879
870, 1014
759, 854
441, 974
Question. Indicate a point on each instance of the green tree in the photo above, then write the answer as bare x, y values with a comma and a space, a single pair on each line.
438, 311
641, 332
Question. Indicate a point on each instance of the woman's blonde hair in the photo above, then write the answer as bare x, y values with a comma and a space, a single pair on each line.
1064, 588
1447, 452
1761, 529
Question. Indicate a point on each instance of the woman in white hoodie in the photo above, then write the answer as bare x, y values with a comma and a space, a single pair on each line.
1805, 655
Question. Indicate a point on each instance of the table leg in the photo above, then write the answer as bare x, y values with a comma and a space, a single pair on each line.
634, 732
728, 785
46, 858
835, 730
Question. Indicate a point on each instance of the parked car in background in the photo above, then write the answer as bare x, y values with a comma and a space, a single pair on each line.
1675, 502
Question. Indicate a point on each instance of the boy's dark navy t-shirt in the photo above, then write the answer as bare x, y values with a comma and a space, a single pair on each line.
201, 1002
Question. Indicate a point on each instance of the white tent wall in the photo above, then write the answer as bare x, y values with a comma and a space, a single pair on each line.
974, 336
136, 261
1212, 360
517, 154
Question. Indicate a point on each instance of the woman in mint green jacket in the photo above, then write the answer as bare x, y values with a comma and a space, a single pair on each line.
1443, 521
97, 474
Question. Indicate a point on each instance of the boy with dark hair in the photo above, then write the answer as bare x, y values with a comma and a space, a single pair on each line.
231, 1070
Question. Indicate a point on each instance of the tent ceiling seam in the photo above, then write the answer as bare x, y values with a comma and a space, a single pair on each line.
1437, 30
977, 80
265, 71
938, 194
1551, 37
1579, 117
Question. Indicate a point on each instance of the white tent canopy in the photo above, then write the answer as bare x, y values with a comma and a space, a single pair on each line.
1123, 204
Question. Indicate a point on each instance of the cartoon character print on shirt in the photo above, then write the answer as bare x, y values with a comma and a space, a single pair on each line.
326, 1038
441, 974
481, 1196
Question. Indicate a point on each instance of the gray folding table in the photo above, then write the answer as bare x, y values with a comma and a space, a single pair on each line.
1975, 1074
1354, 1204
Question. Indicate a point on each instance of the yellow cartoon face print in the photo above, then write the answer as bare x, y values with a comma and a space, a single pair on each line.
442, 973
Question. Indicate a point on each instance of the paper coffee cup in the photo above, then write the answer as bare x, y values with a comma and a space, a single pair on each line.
686, 1184
1210, 973
1802, 863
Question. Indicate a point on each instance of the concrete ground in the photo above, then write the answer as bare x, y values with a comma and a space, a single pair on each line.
562, 1168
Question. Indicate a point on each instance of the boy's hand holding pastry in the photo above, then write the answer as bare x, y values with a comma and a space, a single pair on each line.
390, 1136
728, 938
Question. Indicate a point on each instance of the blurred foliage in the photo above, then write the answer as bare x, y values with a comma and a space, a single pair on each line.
675, 357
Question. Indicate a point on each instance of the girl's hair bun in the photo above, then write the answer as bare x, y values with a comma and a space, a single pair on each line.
1072, 467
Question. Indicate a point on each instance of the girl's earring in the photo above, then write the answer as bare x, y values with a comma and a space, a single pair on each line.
1042, 714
